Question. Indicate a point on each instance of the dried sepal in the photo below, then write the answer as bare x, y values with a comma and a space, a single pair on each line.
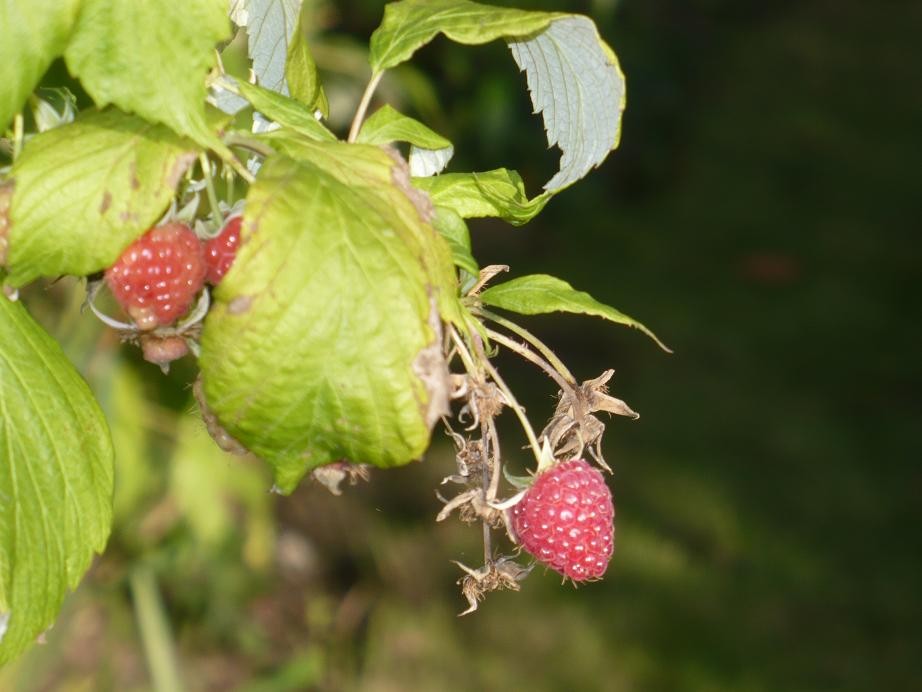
574, 428
332, 475
501, 574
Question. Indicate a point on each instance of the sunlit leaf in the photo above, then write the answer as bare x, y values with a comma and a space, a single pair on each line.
55, 479
573, 76
151, 59
499, 193
34, 33
577, 86
86, 190
270, 25
409, 25
301, 71
538, 294
285, 111
323, 342
455, 231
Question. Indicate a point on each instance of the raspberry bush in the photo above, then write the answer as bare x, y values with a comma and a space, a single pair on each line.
355, 319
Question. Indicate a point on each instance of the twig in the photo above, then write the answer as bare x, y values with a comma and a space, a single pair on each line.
18, 135
512, 402
531, 339
528, 355
235, 139
363, 106
209, 188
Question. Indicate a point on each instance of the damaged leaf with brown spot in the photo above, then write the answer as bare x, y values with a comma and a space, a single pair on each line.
338, 354
86, 190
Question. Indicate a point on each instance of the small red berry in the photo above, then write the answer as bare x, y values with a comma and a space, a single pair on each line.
566, 520
221, 250
157, 277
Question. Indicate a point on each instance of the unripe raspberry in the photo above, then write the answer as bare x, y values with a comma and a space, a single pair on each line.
566, 520
221, 250
157, 277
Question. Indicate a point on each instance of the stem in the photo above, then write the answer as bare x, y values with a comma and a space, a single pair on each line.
241, 170
363, 106
229, 184
466, 356
209, 188
17, 135
515, 406
523, 351
533, 340
155, 631
235, 139
485, 479
497, 469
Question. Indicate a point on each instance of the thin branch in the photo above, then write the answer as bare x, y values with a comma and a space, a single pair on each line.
514, 405
485, 479
531, 339
235, 139
498, 468
528, 355
241, 170
465, 355
18, 135
363, 106
209, 188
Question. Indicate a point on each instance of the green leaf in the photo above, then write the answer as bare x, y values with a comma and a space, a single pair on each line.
285, 111
573, 76
34, 34
429, 151
86, 190
455, 231
499, 193
538, 294
55, 479
577, 85
151, 58
301, 71
270, 25
387, 125
322, 342
409, 25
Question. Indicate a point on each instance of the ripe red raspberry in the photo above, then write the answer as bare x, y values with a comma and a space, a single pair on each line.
221, 250
566, 520
157, 277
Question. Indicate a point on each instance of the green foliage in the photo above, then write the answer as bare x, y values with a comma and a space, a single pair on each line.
539, 294
86, 190
386, 125
286, 111
34, 34
302, 380
301, 72
499, 193
409, 25
149, 59
56, 479
573, 76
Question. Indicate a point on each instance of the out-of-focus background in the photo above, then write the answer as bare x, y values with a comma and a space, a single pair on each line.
762, 215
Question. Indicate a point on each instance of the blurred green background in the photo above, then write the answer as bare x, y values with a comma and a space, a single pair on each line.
762, 216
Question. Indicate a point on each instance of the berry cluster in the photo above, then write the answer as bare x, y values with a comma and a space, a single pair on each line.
157, 278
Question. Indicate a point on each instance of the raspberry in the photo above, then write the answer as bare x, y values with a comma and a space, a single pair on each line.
566, 520
221, 250
157, 277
